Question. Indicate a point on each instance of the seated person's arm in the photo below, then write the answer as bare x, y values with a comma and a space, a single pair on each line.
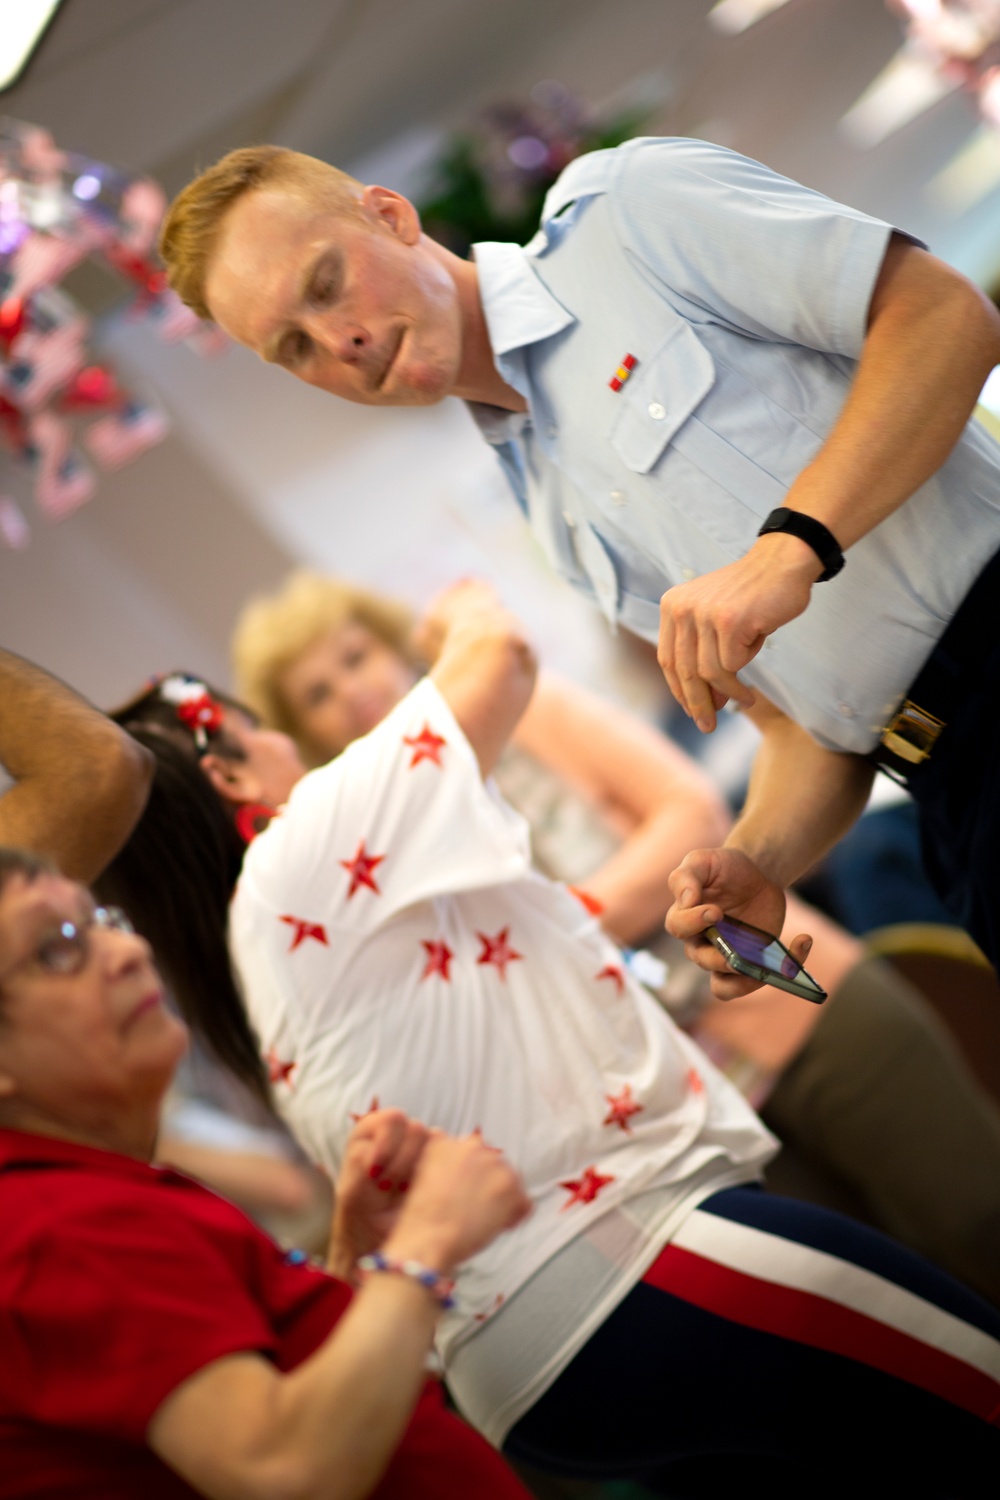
80, 782
802, 799
651, 792
239, 1429
484, 666
259, 1183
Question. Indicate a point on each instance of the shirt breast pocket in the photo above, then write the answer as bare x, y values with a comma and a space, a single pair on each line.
660, 396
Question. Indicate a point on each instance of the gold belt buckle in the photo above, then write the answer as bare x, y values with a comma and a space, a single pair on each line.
912, 733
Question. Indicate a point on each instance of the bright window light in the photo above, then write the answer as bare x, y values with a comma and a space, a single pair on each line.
21, 25
910, 83
736, 15
989, 396
972, 173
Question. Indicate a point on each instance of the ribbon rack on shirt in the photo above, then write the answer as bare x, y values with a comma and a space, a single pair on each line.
63, 411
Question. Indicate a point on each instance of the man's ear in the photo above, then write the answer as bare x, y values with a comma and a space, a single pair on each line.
232, 779
394, 211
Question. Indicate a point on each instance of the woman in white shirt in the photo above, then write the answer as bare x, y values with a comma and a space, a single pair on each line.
614, 807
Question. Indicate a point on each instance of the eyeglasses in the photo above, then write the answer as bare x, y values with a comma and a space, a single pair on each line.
66, 950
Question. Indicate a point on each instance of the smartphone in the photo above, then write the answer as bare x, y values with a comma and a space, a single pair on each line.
760, 955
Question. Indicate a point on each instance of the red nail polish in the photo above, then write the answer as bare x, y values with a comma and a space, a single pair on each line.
384, 1186
376, 1171
404, 1187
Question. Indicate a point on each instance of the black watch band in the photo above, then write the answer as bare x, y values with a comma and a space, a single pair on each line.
810, 531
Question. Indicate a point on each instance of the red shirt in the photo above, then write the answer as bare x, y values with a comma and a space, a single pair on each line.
118, 1281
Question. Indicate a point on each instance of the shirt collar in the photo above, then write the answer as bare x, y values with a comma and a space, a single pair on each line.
519, 310
21, 1148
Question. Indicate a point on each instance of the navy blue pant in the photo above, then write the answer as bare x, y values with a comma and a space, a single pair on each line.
775, 1347
957, 792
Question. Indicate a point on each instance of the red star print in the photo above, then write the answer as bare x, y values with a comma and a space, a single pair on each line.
695, 1081
360, 869
439, 956
303, 930
497, 950
623, 1107
613, 971
425, 746
586, 1188
373, 1106
586, 900
278, 1071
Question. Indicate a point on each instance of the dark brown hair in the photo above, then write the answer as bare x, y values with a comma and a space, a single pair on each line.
175, 877
21, 862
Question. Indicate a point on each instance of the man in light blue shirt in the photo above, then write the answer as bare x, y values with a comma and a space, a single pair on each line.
689, 342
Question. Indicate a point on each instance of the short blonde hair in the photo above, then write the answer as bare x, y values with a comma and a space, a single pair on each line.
191, 228
273, 630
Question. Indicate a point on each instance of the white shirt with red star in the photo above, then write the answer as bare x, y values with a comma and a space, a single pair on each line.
397, 949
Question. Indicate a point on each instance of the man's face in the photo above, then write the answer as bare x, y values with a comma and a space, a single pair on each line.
358, 305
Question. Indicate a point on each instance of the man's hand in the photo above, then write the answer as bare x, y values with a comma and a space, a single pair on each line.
714, 625
710, 884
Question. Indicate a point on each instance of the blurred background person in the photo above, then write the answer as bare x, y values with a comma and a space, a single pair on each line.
75, 783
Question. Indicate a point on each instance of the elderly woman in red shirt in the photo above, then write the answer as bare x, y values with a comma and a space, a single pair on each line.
155, 1342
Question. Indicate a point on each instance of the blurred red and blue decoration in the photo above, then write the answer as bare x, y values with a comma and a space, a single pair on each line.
59, 406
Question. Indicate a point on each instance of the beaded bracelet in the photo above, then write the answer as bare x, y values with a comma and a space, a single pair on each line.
439, 1287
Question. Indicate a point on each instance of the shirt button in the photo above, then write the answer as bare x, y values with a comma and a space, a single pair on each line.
687, 574
656, 411
618, 497
569, 518
847, 711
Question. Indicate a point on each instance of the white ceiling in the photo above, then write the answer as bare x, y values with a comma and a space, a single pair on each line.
260, 470
167, 85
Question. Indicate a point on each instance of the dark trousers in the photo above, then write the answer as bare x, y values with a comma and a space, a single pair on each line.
957, 792
721, 1375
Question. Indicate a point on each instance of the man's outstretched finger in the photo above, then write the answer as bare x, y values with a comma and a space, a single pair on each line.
689, 923
696, 699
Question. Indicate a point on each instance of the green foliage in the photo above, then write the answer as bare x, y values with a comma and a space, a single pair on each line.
492, 178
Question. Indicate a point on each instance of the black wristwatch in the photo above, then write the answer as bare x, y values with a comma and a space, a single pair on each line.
811, 531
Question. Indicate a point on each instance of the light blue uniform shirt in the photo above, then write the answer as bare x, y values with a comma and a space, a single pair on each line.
744, 298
